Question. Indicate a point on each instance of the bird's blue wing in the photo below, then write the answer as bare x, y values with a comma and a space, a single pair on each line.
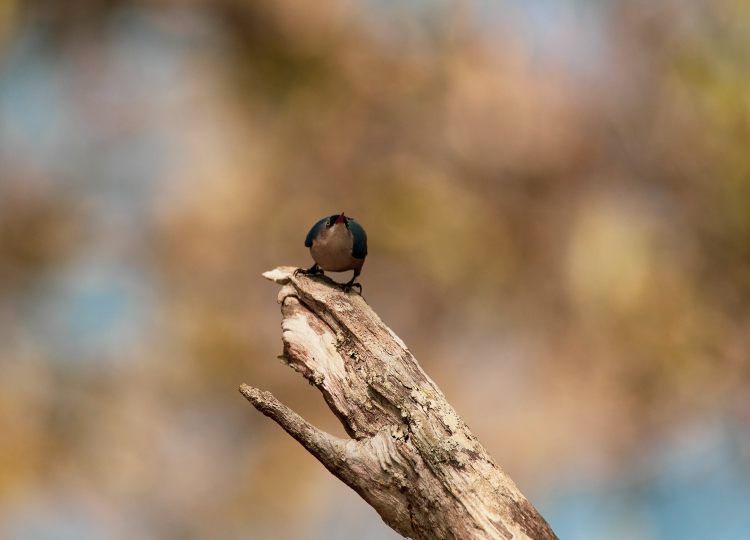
314, 231
359, 249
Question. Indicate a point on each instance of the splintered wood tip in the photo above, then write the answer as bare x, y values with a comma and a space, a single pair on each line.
280, 275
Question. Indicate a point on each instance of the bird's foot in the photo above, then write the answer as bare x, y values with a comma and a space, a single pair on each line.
349, 286
314, 270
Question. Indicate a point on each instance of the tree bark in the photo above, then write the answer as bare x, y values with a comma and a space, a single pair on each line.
410, 456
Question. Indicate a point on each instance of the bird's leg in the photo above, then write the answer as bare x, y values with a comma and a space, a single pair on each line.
349, 285
314, 270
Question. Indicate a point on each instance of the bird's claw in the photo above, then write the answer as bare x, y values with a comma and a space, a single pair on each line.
349, 286
314, 270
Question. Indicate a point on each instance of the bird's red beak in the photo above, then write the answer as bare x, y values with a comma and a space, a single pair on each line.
341, 218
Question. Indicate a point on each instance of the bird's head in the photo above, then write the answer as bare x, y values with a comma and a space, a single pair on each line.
335, 220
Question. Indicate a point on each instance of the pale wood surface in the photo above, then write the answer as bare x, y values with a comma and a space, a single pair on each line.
410, 455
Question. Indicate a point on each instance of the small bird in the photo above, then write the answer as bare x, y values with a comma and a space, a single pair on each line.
337, 243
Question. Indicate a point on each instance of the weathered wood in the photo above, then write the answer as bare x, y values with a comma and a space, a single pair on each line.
410, 456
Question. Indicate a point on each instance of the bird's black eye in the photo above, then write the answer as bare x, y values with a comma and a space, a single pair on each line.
329, 223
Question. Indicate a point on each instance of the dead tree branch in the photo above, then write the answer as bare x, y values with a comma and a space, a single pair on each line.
410, 456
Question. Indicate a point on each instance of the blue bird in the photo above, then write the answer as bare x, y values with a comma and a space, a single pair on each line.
337, 243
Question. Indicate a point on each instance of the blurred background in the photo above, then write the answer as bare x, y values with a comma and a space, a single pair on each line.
557, 196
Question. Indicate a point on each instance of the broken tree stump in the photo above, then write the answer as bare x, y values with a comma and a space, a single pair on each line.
410, 455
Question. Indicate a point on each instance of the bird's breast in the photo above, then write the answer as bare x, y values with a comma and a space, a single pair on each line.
332, 250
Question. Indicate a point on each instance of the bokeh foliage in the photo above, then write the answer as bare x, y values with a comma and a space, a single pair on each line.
559, 222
